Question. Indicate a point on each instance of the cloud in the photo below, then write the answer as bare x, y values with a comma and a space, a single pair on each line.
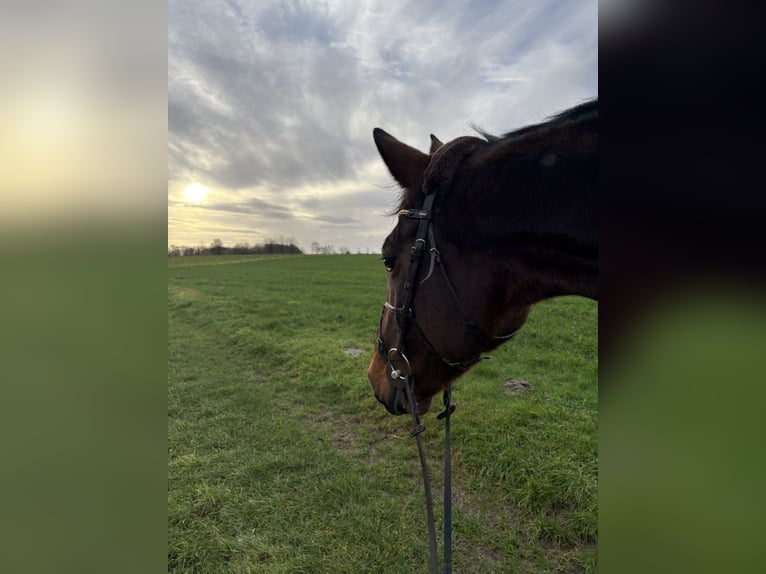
254, 206
283, 96
336, 219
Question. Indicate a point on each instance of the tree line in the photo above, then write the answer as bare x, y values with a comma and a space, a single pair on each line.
218, 248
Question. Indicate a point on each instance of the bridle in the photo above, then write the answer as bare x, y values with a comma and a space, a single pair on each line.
400, 374
405, 312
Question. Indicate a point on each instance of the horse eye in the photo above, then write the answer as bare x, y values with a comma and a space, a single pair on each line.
389, 262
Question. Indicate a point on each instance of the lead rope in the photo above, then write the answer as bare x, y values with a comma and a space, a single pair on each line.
416, 431
449, 408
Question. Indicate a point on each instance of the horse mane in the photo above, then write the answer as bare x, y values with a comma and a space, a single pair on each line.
585, 111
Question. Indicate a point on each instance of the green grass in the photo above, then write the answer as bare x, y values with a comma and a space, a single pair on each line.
281, 461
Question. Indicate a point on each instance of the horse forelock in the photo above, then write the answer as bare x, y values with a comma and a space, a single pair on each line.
444, 163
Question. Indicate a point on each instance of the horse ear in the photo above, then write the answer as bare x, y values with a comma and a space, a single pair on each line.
405, 163
435, 144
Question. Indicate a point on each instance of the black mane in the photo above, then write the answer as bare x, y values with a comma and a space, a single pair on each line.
580, 112
584, 112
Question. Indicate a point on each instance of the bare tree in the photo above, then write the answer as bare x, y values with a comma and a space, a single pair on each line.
216, 247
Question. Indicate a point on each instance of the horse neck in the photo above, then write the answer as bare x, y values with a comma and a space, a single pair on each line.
531, 210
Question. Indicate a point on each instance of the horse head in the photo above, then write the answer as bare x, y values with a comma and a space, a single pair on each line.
486, 228
433, 326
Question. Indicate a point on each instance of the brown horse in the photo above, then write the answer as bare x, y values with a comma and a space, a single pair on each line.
487, 227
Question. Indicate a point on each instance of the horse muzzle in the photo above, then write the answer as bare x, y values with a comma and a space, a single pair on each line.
388, 395
391, 396
396, 402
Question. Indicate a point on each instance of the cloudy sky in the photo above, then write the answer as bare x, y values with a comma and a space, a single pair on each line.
271, 104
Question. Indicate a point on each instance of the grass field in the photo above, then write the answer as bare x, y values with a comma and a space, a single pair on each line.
281, 461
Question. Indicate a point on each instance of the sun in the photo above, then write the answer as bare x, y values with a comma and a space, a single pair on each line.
195, 193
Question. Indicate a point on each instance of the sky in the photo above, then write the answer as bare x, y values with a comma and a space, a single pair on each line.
271, 104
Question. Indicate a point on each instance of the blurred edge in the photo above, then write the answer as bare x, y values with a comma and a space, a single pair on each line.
683, 318
83, 355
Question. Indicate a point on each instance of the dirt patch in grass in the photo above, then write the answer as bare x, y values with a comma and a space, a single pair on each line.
184, 293
344, 434
515, 387
353, 351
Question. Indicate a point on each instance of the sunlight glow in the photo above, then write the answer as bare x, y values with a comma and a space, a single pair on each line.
195, 193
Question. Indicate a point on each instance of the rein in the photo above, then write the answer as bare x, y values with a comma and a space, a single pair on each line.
401, 378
